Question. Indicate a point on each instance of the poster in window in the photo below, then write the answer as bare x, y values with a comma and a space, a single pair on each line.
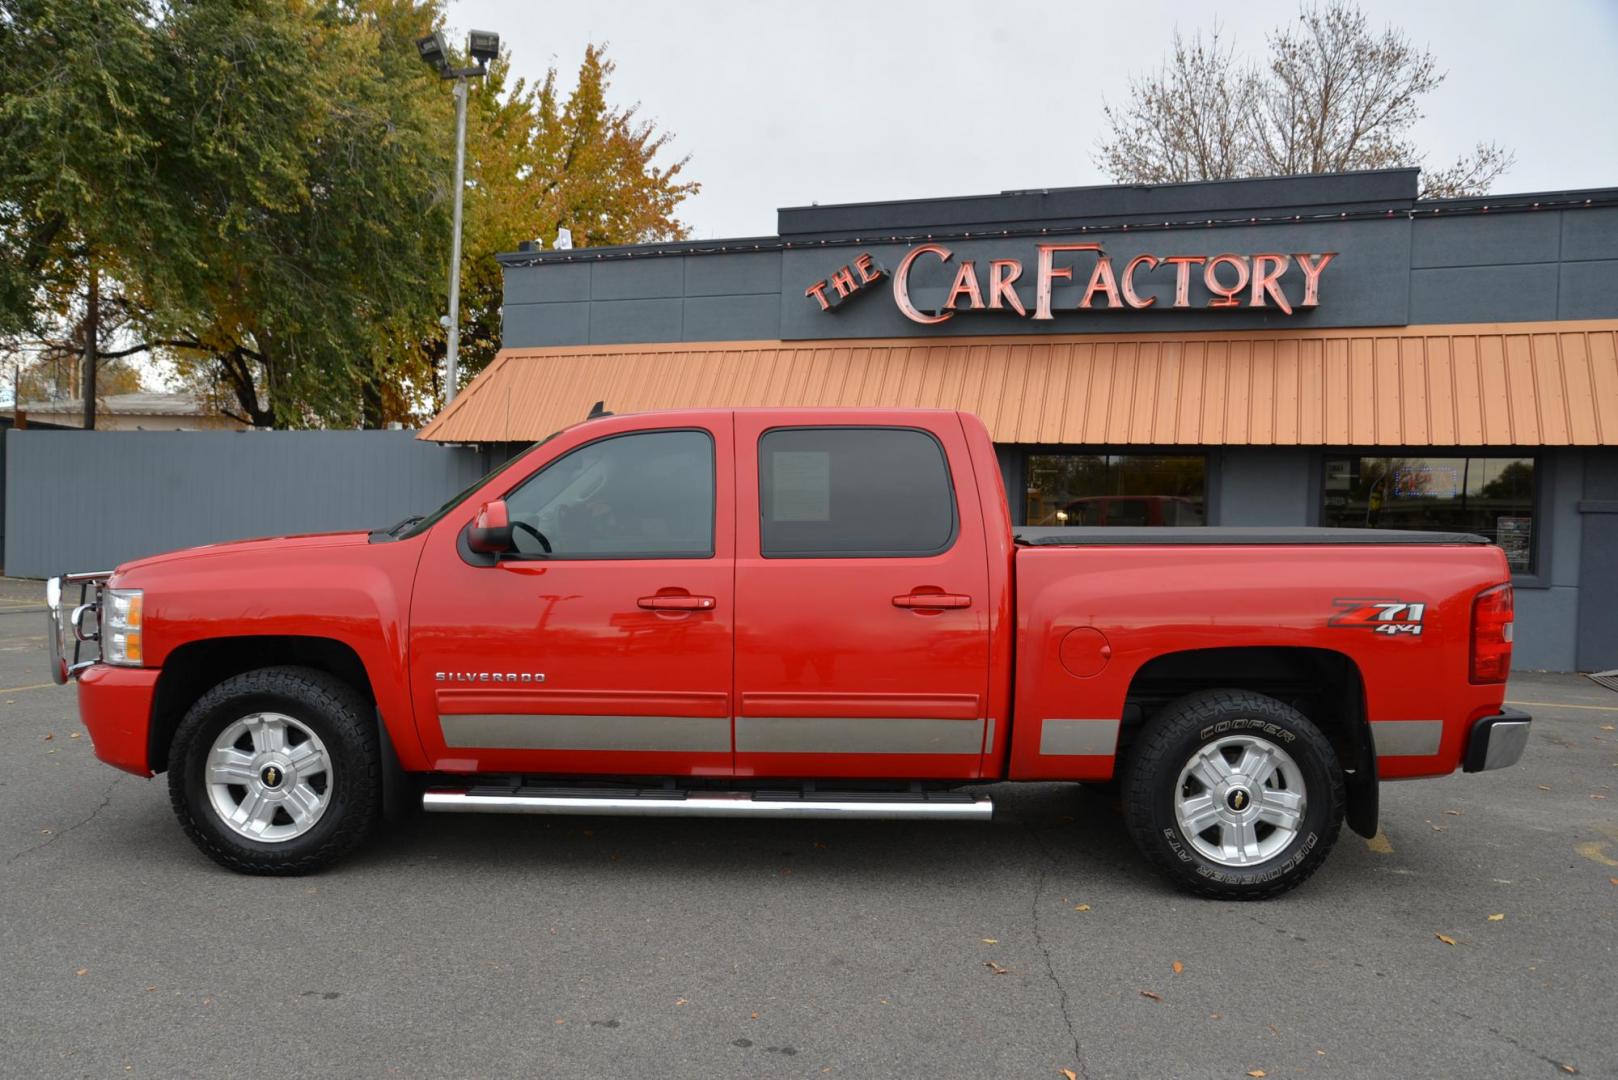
1426, 481
801, 485
1515, 535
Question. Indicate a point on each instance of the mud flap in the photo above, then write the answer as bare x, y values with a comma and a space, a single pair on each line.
1364, 794
397, 789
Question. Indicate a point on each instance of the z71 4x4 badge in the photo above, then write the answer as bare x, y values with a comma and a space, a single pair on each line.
1380, 616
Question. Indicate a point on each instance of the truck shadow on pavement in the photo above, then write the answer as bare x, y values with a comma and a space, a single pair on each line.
1076, 827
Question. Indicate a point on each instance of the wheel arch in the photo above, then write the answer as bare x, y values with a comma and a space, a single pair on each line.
1325, 685
192, 669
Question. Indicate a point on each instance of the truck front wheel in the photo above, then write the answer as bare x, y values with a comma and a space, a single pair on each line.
1233, 795
276, 771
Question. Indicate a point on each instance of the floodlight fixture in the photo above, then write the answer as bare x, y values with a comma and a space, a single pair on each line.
484, 45
434, 51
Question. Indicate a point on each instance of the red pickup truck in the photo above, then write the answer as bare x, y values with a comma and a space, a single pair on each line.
792, 613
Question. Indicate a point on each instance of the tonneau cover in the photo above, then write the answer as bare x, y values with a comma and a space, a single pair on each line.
1058, 536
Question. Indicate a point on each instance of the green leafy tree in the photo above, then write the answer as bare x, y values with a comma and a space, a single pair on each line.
262, 189
313, 170
77, 196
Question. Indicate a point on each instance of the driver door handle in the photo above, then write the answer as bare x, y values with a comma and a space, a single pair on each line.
677, 603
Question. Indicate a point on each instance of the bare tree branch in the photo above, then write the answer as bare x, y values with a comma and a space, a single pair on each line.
1332, 96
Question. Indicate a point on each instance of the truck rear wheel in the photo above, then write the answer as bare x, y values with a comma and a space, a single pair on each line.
277, 771
1233, 795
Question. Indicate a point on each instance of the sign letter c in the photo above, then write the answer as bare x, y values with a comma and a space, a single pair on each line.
901, 284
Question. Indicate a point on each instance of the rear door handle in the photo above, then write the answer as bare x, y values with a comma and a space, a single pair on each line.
677, 603
936, 601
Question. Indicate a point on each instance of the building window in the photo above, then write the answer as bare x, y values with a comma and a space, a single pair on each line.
1116, 489
1490, 496
849, 492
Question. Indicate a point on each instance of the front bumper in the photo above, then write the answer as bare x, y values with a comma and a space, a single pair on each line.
115, 704
1497, 741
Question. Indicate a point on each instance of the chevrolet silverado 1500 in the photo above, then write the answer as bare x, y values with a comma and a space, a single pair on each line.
792, 613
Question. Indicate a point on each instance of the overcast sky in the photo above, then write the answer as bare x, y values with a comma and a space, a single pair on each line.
784, 104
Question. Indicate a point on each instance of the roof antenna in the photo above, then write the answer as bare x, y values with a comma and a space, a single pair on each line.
598, 410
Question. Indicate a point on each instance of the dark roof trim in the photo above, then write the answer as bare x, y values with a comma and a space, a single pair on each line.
1385, 188
1239, 202
1045, 536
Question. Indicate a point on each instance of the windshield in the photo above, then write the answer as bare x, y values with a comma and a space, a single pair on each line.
422, 524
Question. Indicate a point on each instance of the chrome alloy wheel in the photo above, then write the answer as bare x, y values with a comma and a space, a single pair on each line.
1240, 800
269, 777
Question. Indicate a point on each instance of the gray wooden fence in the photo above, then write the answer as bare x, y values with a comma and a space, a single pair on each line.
89, 500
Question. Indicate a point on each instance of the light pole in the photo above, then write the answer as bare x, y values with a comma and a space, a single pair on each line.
484, 46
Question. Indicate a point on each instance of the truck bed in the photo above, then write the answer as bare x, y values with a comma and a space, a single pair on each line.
1229, 535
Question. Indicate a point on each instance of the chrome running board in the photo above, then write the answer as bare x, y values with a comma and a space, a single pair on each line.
663, 802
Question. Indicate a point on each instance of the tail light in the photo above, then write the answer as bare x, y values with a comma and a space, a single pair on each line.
1491, 635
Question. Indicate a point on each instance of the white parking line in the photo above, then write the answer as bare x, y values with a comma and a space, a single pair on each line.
1558, 705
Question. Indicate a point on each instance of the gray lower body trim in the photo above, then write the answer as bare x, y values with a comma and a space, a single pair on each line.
550, 731
856, 735
1407, 738
1093, 737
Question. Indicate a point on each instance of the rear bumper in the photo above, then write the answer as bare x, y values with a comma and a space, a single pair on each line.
1497, 741
115, 704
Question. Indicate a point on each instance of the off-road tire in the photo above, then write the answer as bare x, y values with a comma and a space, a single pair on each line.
332, 709
1152, 772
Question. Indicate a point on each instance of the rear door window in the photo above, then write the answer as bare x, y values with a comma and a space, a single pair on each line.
854, 492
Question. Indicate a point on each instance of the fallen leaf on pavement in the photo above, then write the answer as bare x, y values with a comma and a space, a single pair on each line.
1216, 1016
991, 941
1598, 796
48, 738
1608, 727
1614, 880
754, 1016
149, 989
75, 735
680, 1001
1255, 1072
1152, 995
1497, 918
82, 971
1445, 938
1081, 907
1453, 813
1568, 1068
1178, 967
1543, 787
1070, 1074
1273, 1029
996, 968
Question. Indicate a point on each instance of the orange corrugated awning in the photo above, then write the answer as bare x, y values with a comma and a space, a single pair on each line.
1506, 384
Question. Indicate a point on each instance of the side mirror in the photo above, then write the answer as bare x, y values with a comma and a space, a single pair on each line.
490, 532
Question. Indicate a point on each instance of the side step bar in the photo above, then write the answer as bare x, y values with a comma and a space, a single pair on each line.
662, 802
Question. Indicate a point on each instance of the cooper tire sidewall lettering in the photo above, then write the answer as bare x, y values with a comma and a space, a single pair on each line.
1242, 723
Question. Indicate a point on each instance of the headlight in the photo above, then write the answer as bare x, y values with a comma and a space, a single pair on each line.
121, 627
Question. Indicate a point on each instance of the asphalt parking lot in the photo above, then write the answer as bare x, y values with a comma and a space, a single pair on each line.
470, 947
